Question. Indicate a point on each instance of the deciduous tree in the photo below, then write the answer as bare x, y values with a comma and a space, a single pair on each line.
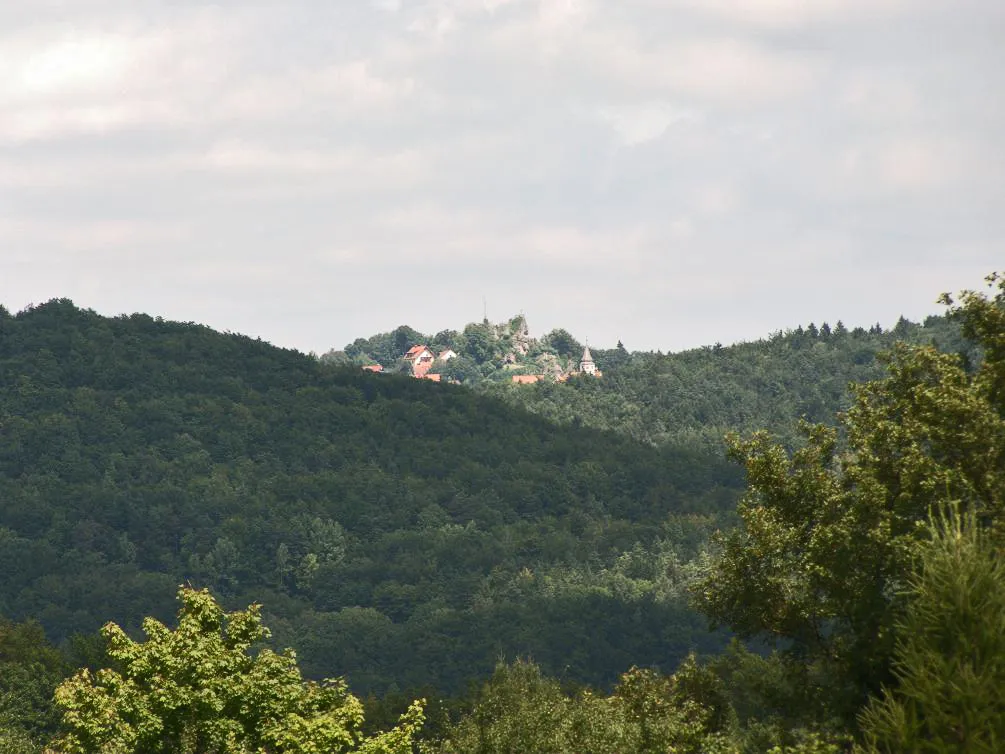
830, 533
200, 688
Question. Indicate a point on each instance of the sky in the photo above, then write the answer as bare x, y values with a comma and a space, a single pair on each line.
670, 173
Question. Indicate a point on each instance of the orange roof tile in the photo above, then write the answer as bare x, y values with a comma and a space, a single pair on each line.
414, 351
420, 367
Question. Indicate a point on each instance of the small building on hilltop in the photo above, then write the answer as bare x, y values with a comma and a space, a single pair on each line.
447, 354
586, 366
421, 359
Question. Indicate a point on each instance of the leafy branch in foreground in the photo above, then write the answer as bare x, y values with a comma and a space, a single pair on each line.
200, 689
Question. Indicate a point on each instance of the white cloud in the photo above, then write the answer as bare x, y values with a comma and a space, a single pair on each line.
91, 80
730, 72
80, 242
69, 64
788, 14
917, 165
908, 164
639, 123
339, 91
705, 169
249, 158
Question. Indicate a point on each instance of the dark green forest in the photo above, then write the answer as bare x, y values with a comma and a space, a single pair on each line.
400, 532
555, 567
691, 398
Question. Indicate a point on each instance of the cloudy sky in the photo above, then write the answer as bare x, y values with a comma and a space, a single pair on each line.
666, 172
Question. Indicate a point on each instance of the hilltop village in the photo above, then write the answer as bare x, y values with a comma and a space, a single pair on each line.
421, 361
502, 352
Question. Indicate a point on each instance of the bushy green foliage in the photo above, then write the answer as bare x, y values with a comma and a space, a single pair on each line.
831, 532
562, 343
30, 669
199, 688
811, 742
949, 661
15, 740
520, 710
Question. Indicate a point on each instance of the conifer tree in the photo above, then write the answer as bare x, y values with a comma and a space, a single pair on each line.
950, 655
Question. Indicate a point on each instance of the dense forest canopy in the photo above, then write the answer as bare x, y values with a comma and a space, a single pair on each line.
689, 398
410, 533
139, 454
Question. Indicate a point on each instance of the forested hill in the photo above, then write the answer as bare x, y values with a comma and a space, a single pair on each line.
688, 398
693, 398
398, 531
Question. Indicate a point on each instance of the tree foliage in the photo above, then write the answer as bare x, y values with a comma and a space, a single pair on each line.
693, 398
949, 661
831, 532
409, 533
520, 710
137, 454
30, 668
200, 689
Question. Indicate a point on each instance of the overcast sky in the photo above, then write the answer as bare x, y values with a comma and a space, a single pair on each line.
668, 172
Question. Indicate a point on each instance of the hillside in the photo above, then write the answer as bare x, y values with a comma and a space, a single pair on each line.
693, 398
689, 398
410, 533
400, 532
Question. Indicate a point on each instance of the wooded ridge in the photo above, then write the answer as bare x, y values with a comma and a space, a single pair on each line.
409, 535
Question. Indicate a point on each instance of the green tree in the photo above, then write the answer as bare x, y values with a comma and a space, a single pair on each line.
830, 533
663, 718
405, 337
15, 740
30, 668
460, 368
518, 710
479, 342
200, 689
562, 342
950, 655
521, 711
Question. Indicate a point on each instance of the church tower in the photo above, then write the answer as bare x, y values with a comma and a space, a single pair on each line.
586, 364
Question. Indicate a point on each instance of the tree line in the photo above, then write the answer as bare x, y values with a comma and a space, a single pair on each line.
865, 566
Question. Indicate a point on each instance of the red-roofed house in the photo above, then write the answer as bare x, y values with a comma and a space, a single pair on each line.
373, 368
421, 359
418, 352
